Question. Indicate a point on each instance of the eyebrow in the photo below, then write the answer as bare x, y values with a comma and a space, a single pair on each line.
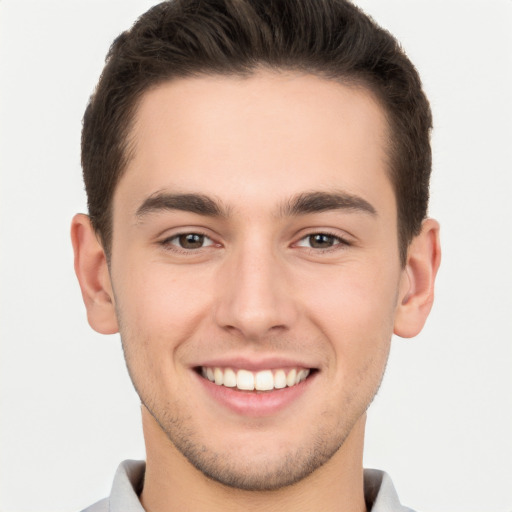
194, 203
302, 204
314, 202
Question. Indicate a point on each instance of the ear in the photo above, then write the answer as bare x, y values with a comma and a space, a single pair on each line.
93, 275
417, 283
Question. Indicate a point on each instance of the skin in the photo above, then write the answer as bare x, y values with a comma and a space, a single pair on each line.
261, 285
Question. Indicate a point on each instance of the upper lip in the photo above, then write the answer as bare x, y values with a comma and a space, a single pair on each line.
254, 364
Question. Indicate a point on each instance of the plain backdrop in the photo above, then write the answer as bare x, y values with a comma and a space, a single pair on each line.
442, 422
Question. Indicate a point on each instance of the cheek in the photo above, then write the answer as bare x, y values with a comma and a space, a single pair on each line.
160, 301
356, 313
158, 311
358, 297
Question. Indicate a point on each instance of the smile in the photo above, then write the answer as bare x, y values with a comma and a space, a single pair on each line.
264, 380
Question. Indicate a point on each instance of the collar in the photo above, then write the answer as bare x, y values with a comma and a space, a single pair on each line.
379, 492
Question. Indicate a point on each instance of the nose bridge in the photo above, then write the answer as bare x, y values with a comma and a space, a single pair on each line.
254, 294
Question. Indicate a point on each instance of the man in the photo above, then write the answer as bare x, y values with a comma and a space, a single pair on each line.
257, 177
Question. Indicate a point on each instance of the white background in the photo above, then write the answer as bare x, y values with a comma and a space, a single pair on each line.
442, 423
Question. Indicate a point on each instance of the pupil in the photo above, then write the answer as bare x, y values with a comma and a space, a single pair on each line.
191, 241
321, 241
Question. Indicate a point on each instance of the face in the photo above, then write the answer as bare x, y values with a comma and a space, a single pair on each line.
255, 269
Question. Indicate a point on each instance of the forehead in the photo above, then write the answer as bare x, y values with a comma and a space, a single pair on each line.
269, 134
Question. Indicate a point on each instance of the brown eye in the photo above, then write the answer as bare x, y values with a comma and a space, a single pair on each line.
322, 241
184, 243
191, 241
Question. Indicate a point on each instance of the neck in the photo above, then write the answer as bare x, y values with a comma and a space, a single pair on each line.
172, 483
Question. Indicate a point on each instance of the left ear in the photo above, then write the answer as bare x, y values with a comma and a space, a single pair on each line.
417, 284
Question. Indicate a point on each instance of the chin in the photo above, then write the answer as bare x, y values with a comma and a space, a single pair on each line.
267, 472
256, 462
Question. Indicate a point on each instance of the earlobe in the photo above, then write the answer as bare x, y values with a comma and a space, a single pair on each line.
417, 287
93, 275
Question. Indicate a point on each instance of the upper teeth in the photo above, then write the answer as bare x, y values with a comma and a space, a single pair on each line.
246, 380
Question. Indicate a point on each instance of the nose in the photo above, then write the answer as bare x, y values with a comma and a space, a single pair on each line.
255, 297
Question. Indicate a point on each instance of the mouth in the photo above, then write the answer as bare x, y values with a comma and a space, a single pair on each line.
255, 381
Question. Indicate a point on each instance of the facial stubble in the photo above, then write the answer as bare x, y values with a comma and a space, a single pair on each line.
267, 472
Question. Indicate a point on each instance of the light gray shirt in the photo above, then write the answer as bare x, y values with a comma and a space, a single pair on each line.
380, 495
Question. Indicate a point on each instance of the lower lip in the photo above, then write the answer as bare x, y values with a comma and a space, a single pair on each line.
253, 403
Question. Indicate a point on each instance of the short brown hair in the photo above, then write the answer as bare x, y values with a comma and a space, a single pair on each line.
185, 38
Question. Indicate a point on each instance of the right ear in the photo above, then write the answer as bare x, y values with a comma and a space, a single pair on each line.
93, 275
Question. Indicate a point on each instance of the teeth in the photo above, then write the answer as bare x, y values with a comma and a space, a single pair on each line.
245, 380
280, 379
302, 375
218, 375
291, 378
229, 378
264, 380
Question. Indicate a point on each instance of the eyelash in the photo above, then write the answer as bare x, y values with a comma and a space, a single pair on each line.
168, 244
339, 243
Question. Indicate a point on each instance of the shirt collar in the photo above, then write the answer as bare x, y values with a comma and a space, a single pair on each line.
380, 494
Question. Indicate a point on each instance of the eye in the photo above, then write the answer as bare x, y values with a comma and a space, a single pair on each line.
321, 241
189, 241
